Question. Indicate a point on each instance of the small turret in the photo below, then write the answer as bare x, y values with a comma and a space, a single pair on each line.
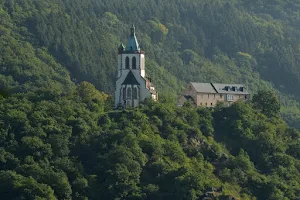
121, 48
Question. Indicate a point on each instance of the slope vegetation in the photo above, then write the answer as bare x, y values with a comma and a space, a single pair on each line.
75, 147
250, 42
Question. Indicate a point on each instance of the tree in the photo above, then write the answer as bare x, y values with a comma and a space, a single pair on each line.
267, 103
16, 186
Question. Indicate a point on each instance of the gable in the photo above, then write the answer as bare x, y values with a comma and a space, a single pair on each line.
130, 79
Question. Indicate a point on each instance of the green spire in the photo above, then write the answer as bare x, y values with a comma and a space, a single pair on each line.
132, 44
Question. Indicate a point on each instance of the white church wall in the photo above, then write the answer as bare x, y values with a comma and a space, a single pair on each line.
140, 62
142, 65
119, 65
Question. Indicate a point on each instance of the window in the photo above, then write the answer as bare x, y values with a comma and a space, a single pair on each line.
133, 63
245, 96
135, 93
221, 96
211, 104
127, 63
206, 104
129, 93
124, 93
201, 103
208, 95
230, 97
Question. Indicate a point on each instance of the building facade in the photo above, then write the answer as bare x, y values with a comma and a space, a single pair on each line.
209, 94
132, 85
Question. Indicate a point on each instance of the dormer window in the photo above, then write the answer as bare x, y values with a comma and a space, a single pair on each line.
127, 63
133, 63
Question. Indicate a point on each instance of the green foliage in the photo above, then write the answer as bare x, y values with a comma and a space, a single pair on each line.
66, 149
60, 139
15, 186
254, 43
267, 103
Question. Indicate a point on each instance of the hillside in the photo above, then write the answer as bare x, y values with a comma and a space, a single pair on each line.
250, 42
61, 139
75, 147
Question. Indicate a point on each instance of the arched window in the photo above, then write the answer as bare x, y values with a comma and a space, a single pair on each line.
129, 93
127, 63
135, 93
133, 63
124, 93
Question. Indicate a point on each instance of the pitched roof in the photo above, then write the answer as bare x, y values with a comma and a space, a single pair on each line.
220, 88
132, 44
203, 87
130, 79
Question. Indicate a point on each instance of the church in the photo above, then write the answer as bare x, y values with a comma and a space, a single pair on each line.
132, 85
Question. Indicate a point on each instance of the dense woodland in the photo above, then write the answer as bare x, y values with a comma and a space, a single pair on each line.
234, 41
61, 139
76, 147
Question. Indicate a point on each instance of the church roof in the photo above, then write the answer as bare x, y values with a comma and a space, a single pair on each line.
132, 44
130, 79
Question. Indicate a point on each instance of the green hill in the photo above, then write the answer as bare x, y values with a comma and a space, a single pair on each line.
250, 42
60, 139
73, 148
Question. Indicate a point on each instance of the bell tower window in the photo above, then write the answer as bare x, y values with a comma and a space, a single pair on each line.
133, 63
127, 63
129, 93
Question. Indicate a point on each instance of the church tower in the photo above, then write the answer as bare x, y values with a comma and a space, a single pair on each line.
132, 85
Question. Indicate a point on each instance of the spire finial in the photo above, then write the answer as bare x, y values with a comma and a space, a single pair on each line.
132, 30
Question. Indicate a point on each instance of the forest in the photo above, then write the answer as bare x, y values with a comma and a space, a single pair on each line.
60, 137
76, 147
